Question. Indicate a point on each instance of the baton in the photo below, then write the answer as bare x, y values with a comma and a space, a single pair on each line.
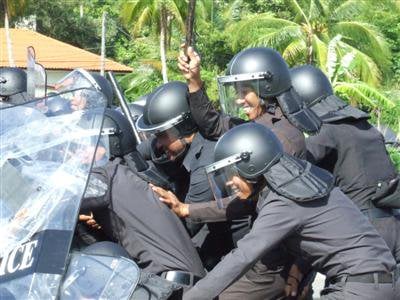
189, 41
124, 105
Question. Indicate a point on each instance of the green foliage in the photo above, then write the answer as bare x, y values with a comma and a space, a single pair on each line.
305, 36
395, 156
62, 20
356, 43
140, 82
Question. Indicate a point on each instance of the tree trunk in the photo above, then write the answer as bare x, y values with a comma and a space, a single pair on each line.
169, 30
163, 54
11, 61
309, 46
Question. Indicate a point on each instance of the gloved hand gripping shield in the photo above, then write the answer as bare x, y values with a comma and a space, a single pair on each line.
220, 175
45, 163
240, 94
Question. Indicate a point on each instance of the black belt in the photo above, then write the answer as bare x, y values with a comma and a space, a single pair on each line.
181, 277
363, 278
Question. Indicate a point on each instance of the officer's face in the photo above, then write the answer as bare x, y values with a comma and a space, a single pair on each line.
171, 144
78, 101
242, 188
250, 102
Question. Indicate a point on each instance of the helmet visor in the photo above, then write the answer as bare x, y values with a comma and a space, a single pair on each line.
76, 79
170, 144
240, 95
220, 176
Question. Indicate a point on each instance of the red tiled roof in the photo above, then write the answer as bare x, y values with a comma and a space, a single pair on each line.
51, 53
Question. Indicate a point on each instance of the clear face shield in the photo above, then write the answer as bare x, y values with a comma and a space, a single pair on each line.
84, 90
168, 142
239, 95
220, 175
77, 79
36, 76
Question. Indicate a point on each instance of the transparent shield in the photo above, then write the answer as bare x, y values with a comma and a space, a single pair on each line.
45, 162
220, 176
240, 98
36, 76
77, 79
99, 277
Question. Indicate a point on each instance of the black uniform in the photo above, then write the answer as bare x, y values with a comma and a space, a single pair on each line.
354, 151
267, 278
217, 239
310, 230
132, 215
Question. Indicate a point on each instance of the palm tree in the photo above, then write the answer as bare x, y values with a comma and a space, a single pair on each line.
158, 15
306, 37
11, 8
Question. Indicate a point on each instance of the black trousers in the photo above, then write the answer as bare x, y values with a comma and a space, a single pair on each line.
258, 283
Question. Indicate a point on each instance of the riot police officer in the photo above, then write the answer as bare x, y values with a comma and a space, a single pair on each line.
79, 79
175, 144
354, 151
297, 206
13, 85
257, 85
130, 214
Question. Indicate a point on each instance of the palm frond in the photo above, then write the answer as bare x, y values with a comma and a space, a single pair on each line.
299, 11
349, 9
295, 52
316, 10
321, 52
251, 28
174, 11
344, 67
132, 9
279, 39
362, 94
331, 57
260, 20
142, 21
142, 81
366, 38
362, 67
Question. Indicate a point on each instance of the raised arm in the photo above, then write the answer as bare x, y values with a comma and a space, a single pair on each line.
212, 124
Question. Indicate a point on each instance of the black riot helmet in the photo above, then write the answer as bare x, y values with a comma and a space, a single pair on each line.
263, 72
120, 133
254, 147
167, 108
264, 64
104, 86
315, 90
117, 135
310, 83
12, 81
252, 151
249, 151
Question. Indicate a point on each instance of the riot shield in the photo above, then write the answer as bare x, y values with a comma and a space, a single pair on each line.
36, 76
45, 162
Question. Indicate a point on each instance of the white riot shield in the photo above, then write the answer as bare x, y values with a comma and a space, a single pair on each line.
45, 162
